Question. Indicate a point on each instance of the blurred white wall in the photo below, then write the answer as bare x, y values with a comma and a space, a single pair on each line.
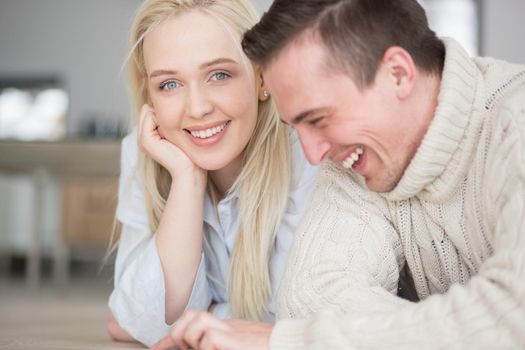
503, 29
83, 42
262, 5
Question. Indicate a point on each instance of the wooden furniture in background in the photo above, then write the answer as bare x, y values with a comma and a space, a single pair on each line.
88, 211
88, 171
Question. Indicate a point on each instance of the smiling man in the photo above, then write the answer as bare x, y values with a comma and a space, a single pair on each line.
423, 152
366, 127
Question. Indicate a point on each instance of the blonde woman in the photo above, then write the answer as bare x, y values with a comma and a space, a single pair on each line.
212, 184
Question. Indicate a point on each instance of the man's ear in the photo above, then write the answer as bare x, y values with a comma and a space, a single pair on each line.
262, 91
401, 69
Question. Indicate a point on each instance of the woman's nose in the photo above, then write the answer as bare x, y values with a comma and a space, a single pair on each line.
198, 103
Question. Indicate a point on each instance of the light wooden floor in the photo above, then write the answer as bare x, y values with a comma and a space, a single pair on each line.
66, 319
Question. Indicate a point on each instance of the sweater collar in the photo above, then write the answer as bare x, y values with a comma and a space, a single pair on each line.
441, 160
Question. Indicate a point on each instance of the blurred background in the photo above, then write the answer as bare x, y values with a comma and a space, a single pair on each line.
64, 108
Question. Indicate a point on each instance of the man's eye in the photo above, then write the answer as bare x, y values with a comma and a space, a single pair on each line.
315, 121
220, 76
169, 85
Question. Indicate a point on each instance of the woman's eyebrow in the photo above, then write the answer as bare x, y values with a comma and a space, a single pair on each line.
161, 72
217, 61
214, 62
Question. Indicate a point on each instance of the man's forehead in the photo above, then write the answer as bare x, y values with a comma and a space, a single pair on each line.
306, 51
297, 69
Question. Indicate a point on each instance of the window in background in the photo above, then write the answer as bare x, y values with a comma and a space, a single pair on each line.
458, 19
32, 109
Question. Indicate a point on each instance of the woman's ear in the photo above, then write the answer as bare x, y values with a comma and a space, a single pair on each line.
262, 91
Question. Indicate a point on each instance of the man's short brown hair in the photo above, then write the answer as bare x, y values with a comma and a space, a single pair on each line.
356, 33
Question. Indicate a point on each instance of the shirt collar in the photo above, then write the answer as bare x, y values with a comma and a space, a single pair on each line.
210, 210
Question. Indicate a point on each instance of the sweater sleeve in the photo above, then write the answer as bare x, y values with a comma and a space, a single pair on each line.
138, 298
487, 313
344, 250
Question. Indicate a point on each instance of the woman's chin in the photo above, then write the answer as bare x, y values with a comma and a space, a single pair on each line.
214, 160
210, 165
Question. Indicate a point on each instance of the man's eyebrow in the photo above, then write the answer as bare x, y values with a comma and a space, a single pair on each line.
301, 116
214, 62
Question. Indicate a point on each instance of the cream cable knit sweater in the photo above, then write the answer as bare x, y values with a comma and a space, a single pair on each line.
457, 218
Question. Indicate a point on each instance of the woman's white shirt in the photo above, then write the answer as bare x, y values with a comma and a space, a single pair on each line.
137, 301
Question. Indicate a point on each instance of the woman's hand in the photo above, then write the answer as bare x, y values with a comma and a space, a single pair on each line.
203, 331
167, 154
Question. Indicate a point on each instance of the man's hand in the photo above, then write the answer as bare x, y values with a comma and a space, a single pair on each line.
203, 331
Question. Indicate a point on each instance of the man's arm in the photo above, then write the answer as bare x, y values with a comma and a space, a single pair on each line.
487, 313
345, 249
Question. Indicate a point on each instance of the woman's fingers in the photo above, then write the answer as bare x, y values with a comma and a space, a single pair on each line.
190, 329
147, 128
165, 343
163, 150
203, 331
146, 113
216, 339
192, 326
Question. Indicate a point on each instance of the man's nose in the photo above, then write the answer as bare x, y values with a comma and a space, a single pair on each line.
198, 103
314, 145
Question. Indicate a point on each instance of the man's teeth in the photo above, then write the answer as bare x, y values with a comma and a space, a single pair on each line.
351, 159
204, 134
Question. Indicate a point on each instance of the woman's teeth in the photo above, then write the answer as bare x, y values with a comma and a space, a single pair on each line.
351, 159
204, 134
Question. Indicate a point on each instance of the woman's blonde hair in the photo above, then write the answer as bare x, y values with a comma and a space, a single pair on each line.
264, 181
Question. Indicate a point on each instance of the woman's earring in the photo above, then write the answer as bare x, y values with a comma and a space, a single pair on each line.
263, 95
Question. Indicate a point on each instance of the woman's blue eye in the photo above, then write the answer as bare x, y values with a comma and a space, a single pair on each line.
220, 76
169, 85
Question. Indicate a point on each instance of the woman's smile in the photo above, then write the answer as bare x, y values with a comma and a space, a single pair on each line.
204, 136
